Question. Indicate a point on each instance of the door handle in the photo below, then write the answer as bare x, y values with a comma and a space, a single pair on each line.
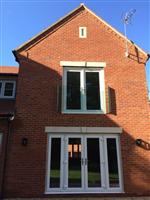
86, 161
82, 161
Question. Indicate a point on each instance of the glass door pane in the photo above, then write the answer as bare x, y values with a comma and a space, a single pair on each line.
93, 162
112, 162
74, 163
55, 163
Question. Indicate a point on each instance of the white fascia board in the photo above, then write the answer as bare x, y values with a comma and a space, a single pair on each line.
72, 63
95, 64
62, 129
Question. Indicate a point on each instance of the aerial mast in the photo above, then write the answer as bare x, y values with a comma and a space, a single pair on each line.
127, 20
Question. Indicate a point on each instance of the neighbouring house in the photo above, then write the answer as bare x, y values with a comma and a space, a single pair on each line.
81, 125
8, 82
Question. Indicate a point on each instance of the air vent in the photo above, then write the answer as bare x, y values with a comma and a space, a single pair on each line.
82, 32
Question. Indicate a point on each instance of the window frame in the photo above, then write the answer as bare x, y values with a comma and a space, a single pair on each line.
2, 96
83, 109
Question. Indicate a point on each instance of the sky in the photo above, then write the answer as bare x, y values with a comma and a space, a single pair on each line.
20, 20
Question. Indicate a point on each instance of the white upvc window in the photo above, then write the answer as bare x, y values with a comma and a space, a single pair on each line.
83, 163
82, 32
7, 89
83, 90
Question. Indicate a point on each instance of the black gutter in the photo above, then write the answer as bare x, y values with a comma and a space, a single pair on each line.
9, 118
148, 56
15, 54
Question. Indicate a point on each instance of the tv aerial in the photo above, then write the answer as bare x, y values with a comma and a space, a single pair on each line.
127, 20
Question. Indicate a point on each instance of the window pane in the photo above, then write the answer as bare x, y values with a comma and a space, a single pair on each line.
93, 156
112, 162
55, 163
74, 162
73, 90
92, 91
8, 89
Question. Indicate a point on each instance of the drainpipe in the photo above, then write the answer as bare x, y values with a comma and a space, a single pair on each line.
9, 118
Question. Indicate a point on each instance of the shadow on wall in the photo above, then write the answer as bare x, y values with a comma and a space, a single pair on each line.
135, 56
37, 107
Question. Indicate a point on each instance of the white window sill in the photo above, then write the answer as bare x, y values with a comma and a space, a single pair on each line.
98, 191
83, 112
7, 97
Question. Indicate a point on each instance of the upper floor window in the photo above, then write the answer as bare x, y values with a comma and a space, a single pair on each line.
83, 90
82, 32
7, 89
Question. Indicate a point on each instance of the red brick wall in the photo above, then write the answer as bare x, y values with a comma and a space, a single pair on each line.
6, 106
37, 104
3, 133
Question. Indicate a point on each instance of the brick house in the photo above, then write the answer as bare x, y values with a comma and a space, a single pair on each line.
8, 82
82, 125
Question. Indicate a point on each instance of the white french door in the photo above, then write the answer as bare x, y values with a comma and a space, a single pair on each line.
83, 164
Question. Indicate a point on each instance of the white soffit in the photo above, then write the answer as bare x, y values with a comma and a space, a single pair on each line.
62, 129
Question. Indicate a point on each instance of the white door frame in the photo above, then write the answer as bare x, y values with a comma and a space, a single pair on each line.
84, 173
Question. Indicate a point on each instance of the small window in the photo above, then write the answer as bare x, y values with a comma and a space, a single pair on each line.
7, 89
82, 32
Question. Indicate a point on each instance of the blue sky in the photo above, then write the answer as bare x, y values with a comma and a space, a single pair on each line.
22, 19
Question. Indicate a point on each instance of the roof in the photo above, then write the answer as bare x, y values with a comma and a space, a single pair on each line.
62, 21
9, 70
